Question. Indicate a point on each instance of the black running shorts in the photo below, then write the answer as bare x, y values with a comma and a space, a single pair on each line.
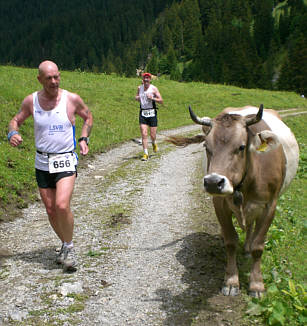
150, 121
48, 180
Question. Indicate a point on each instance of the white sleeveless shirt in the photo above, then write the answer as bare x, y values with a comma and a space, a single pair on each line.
54, 133
146, 103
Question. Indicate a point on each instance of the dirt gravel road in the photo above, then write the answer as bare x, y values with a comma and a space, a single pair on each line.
148, 245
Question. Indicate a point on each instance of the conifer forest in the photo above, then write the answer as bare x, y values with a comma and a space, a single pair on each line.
247, 43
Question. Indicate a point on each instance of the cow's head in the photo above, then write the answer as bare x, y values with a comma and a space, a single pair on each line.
228, 139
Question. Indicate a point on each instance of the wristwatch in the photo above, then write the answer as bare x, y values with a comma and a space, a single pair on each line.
86, 139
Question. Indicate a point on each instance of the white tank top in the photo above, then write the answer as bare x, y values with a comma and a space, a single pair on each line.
53, 131
146, 103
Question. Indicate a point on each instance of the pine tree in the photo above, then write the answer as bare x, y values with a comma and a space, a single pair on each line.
110, 67
190, 16
283, 27
175, 24
93, 60
153, 64
175, 74
171, 60
118, 65
294, 71
210, 57
166, 38
263, 27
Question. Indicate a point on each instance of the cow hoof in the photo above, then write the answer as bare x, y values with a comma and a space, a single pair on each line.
256, 289
230, 290
256, 294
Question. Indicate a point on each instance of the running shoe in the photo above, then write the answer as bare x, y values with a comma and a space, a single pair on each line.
155, 147
60, 256
145, 157
70, 261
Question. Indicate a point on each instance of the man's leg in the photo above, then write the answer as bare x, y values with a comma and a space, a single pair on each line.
153, 136
48, 196
64, 190
144, 134
57, 203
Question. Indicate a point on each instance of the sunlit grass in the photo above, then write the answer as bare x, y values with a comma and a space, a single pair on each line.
115, 111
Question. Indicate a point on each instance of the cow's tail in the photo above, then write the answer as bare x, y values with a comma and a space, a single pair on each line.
185, 141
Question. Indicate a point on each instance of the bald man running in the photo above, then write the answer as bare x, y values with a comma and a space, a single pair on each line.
54, 112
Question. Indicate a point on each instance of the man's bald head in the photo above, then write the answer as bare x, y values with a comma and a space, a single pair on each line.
47, 65
49, 76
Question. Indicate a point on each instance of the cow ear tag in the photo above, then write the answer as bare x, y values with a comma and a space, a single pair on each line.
263, 147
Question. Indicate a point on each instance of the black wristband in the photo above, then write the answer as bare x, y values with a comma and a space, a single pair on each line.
86, 139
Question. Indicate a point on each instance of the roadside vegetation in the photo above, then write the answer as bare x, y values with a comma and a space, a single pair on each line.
111, 99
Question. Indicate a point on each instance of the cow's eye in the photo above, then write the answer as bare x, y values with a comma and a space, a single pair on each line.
241, 148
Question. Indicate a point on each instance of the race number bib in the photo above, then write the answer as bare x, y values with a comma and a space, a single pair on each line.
148, 113
62, 163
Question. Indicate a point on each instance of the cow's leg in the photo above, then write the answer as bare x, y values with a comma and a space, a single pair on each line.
224, 215
256, 286
248, 239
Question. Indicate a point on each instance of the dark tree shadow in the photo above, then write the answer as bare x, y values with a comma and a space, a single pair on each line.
203, 257
44, 256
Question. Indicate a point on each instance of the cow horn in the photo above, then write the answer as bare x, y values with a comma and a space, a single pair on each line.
200, 121
257, 118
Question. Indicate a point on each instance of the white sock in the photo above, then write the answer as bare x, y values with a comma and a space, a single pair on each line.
146, 151
68, 244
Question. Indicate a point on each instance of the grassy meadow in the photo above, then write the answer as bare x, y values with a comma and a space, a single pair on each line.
111, 99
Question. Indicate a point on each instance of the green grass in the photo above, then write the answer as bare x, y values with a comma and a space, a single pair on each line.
111, 99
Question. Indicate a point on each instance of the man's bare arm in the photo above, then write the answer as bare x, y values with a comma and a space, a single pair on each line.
137, 97
25, 111
83, 111
87, 116
157, 96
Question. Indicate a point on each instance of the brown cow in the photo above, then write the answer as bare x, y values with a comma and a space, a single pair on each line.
251, 158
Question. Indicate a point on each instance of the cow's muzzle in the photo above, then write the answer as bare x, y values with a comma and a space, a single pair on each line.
216, 184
